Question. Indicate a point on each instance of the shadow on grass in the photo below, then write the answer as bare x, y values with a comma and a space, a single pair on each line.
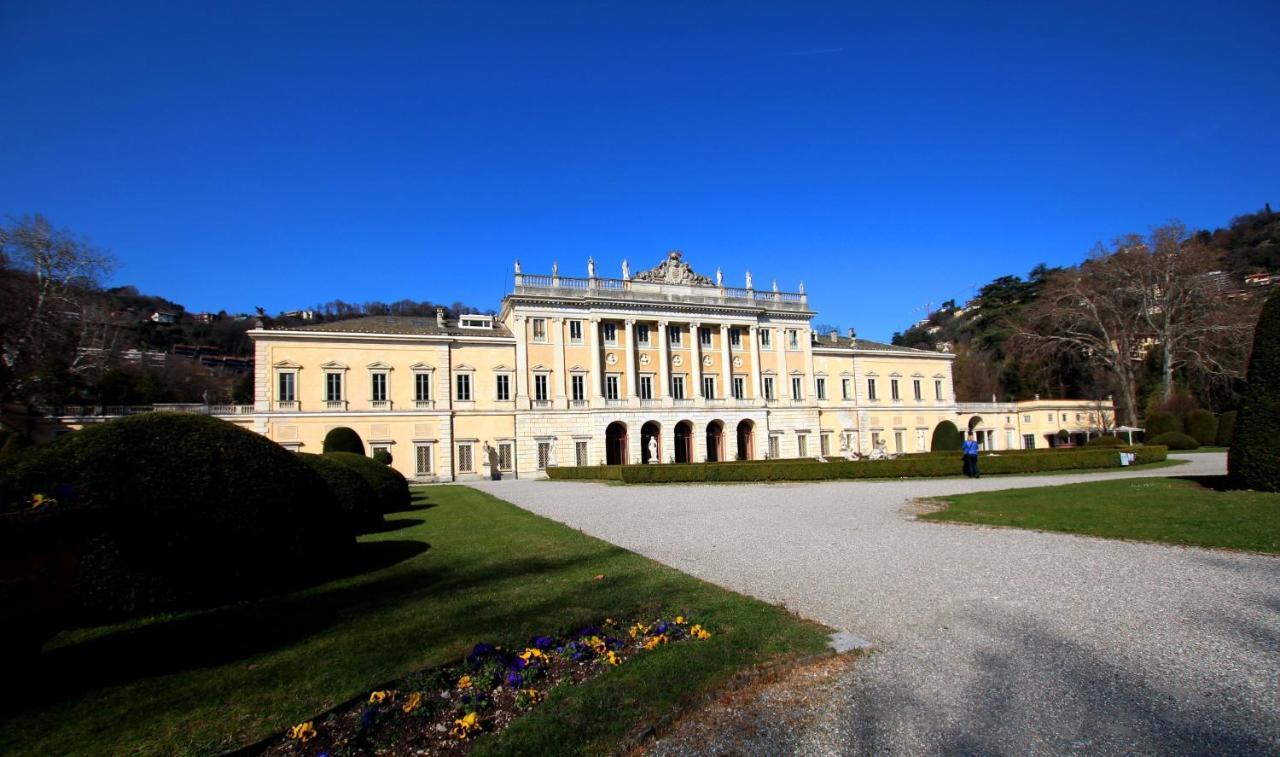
1221, 483
395, 524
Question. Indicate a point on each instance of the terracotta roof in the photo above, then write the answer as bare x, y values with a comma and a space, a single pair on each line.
403, 325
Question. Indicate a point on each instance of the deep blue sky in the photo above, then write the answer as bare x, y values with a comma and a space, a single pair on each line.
281, 155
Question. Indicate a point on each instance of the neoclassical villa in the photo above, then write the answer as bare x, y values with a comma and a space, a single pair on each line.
664, 366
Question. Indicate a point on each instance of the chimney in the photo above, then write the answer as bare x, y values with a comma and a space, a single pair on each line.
833, 336
440, 317
852, 334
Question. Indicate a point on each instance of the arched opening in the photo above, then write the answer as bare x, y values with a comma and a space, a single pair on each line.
979, 433
651, 443
615, 443
715, 441
746, 440
684, 442
946, 438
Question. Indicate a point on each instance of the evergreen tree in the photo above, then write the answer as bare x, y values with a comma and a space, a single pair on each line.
1254, 460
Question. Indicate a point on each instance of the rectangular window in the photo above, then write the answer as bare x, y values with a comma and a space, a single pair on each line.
845, 388
646, 387
575, 332
677, 387
378, 387
797, 387
875, 439
373, 449
735, 338
871, 390
544, 455
673, 335
768, 387
1049, 417
1028, 441
610, 333
822, 388
286, 388
466, 463
642, 334
422, 387
580, 453
704, 336
915, 387
504, 387
540, 387
824, 442
333, 387
463, 387
773, 447
739, 387
920, 434
802, 445
611, 386
937, 389
422, 459
506, 455
897, 442
793, 339
1026, 418
764, 338
893, 390
709, 387
578, 385
539, 329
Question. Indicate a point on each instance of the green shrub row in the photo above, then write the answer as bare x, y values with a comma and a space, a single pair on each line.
1176, 440
916, 466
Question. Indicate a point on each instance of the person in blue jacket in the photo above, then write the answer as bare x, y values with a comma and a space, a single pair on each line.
970, 452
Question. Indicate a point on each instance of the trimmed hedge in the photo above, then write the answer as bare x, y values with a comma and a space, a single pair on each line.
387, 482
358, 500
382, 456
343, 439
916, 466
1161, 422
1106, 441
1202, 426
195, 511
1226, 429
946, 438
1176, 441
1254, 459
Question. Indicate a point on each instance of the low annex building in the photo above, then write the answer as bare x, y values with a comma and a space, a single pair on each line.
664, 366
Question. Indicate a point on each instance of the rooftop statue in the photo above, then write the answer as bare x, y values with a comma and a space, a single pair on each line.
674, 270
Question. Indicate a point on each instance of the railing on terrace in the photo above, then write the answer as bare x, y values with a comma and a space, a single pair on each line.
114, 411
527, 283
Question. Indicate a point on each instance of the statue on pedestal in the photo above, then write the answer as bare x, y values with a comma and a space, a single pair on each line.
653, 449
749, 280
551, 453
626, 270
555, 268
517, 265
591, 268
719, 277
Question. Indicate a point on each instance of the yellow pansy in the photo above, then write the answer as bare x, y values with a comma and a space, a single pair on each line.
303, 732
613, 658
464, 727
378, 697
464, 682
412, 702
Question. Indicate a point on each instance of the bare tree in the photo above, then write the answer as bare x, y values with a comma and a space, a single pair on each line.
53, 315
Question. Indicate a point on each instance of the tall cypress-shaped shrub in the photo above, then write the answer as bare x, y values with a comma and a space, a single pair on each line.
946, 438
1226, 429
1202, 426
343, 439
1162, 422
1254, 459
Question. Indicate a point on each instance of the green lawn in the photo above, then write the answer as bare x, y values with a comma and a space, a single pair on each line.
459, 568
1178, 511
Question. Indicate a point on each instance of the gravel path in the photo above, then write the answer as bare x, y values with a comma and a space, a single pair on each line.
988, 640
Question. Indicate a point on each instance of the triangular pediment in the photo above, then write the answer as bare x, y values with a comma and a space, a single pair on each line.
421, 367
378, 366
334, 365
286, 363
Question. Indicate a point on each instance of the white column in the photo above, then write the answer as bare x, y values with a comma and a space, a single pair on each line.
633, 388
522, 364
561, 377
754, 333
597, 378
811, 389
726, 368
663, 389
783, 391
695, 358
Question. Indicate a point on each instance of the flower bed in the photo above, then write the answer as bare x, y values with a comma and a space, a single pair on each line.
443, 710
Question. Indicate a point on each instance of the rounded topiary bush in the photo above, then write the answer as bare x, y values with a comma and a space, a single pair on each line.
1106, 441
946, 438
193, 511
358, 500
387, 482
1161, 422
1202, 426
1226, 429
343, 439
1254, 459
1175, 440
382, 455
